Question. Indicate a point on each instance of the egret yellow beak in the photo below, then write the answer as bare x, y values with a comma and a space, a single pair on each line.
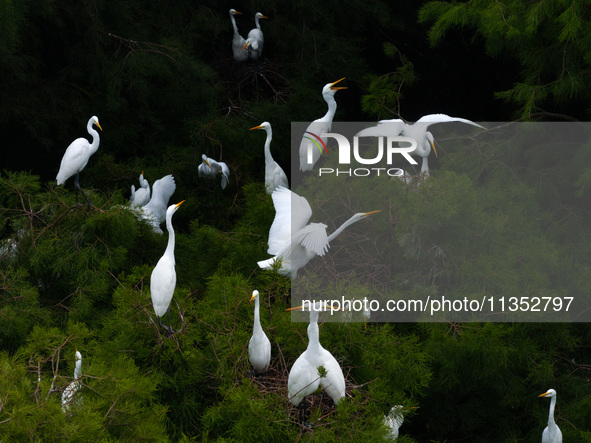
207, 163
434, 150
543, 395
245, 45
237, 12
98, 124
264, 16
257, 127
253, 297
294, 309
332, 86
178, 204
373, 212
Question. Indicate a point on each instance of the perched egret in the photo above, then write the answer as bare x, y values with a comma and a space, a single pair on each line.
292, 239
141, 196
155, 211
256, 38
309, 156
238, 42
209, 168
305, 378
69, 394
552, 433
77, 156
274, 175
394, 420
259, 346
163, 279
418, 131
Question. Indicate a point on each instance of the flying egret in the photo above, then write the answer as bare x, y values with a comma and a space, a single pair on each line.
155, 211
77, 155
394, 420
163, 279
209, 168
256, 34
418, 131
259, 346
69, 394
552, 433
238, 52
305, 377
292, 239
309, 153
141, 196
274, 175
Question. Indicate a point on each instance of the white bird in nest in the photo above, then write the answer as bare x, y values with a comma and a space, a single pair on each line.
259, 346
552, 433
417, 131
69, 395
210, 169
154, 212
292, 240
394, 420
163, 278
239, 54
255, 39
141, 196
305, 377
77, 155
313, 144
274, 176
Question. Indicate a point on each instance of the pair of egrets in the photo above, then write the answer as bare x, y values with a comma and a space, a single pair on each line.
252, 46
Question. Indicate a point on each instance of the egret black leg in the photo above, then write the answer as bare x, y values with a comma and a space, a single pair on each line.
78, 188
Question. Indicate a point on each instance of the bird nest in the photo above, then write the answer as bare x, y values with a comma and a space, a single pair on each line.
320, 409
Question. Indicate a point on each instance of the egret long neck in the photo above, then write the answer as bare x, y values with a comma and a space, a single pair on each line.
78, 369
95, 137
551, 421
332, 107
257, 317
268, 156
170, 246
341, 228
425, 165
234, 23
256, 22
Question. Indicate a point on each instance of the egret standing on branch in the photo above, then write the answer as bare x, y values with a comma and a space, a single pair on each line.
141, 197
255, 39
305, 377
274, 175
418, 131
238, 42
163, 279
209, 169
259, 346
552, 433
77, 156
69, 394
291, 239
319, 127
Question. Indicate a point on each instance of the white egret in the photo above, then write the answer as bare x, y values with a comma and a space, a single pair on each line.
155, 211
209, 168
69, 394
240, 55
291, 239
305, 377
251, 47
141, 196
77, 155
418, 131
552, 433
256, 34
309, 153
274, 175
163, 279
394, 420
259, 346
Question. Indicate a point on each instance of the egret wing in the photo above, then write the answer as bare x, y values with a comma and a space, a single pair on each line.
431, 119
384, 128
291, 212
